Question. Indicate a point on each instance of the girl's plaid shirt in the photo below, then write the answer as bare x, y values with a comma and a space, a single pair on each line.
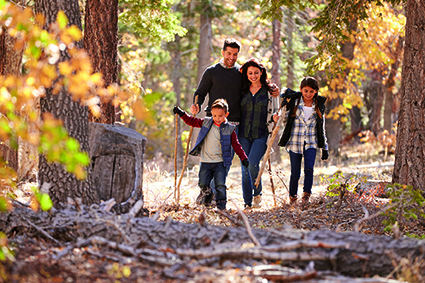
303, 131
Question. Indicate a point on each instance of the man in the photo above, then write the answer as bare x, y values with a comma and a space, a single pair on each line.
223, 80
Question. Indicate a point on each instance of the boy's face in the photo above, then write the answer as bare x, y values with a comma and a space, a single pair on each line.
230, 55
308, 94
218, 115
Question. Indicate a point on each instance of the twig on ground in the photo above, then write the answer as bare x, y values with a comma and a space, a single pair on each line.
248, 228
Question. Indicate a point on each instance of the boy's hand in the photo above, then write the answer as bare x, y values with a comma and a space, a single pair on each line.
178, 111
245, 163
325, 154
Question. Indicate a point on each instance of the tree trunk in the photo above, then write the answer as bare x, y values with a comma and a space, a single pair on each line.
290, 24
175, 76
374, 94
204, 61
276, 79
62, 184
333, 127
171, 242
101, 43
390, 83
409, 166
10, 64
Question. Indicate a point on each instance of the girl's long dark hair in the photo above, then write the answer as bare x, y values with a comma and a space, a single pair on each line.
311, 82
244, 69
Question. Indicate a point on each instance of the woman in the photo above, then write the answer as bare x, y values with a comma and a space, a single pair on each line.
257, 109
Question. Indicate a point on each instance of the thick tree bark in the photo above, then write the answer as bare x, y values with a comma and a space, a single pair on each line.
409, 166
101, 43
74, 116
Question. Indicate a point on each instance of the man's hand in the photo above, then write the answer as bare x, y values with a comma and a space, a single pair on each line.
275, 90
245, 163
178, 111
325, 154
194, 109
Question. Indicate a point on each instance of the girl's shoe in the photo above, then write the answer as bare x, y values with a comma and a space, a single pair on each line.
292, 200
305, 199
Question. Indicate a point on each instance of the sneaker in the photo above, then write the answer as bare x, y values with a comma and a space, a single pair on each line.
257, 202
247, 207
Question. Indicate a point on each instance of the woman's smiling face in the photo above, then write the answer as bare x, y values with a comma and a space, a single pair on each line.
254, 74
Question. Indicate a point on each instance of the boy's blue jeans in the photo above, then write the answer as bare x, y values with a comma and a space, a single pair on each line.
208, 171
309, 159
254, 149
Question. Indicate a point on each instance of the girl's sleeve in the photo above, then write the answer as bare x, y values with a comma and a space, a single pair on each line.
325, 147
237, 146
192, 121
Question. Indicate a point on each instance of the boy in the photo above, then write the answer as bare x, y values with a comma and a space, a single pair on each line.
214, 143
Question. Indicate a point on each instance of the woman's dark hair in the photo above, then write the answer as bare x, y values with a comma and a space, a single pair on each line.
244, 69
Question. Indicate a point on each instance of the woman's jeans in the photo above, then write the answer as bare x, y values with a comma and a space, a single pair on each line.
309, 159
254, 149
207, 172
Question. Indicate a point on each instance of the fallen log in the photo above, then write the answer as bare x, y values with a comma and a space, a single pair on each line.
350, 254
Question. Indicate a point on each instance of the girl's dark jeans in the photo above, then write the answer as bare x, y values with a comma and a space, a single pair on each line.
309, 159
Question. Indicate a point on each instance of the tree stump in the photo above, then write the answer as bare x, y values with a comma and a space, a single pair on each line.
117, 155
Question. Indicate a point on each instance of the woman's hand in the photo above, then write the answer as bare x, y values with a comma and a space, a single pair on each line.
275, 117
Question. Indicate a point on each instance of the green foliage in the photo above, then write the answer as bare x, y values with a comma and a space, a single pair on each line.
340, 184
406, 203
5, 251
151, 19
43, 200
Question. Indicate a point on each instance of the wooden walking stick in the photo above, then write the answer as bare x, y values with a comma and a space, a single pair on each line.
271, 181
269, 147
185, 160
176, 118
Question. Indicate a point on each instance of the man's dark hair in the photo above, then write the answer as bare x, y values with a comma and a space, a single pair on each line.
232, 43
221, 104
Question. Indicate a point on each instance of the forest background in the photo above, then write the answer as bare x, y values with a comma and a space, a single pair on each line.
355, 50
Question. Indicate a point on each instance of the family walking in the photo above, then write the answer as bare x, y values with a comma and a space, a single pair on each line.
241, 113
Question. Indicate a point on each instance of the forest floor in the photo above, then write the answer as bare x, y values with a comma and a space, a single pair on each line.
360, 166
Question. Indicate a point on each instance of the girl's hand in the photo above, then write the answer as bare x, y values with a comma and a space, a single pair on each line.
275, 117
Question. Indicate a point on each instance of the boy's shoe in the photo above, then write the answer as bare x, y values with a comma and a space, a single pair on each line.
257, 202
205, 197
221, 205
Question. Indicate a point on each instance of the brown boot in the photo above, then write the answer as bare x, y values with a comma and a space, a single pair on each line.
292, 200
305, 199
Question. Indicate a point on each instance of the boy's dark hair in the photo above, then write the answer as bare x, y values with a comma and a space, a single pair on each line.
220, 104
311, 82
232, 43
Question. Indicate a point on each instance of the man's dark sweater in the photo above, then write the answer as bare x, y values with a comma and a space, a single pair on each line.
219, 82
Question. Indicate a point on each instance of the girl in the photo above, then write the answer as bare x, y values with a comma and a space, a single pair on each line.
304, 133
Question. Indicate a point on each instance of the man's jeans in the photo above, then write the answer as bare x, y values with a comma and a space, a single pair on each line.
254, 149
207, 172
309, 159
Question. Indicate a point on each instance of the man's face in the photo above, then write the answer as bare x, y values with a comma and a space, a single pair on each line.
230, 55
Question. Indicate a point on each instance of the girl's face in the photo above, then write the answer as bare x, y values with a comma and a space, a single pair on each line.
308, 94
218, 115
254, 74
